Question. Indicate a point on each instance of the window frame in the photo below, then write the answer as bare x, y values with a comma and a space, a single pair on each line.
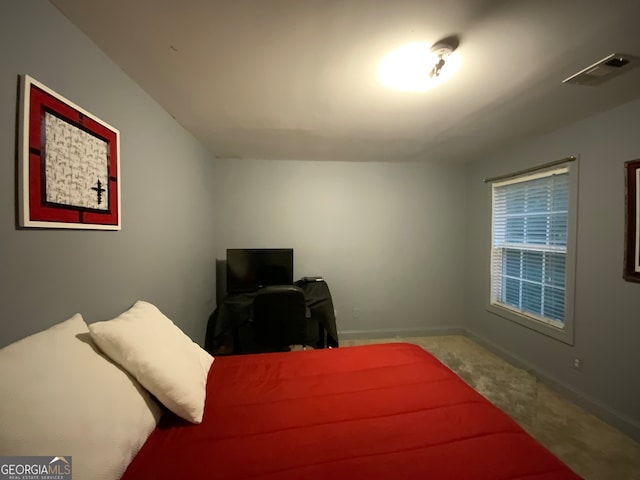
564, 333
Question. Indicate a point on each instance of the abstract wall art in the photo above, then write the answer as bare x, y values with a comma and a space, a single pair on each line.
69, 172
632, 221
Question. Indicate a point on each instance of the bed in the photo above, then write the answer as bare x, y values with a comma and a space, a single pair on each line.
376, 412
372, 412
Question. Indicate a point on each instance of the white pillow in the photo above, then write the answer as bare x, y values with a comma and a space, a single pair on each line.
163, 359
60, 396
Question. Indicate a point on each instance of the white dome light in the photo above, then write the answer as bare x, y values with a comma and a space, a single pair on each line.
418, 67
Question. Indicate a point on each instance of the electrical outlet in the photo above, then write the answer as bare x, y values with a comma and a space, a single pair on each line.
577, 363
356, 312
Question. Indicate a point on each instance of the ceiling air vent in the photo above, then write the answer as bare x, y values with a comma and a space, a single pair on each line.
604, 70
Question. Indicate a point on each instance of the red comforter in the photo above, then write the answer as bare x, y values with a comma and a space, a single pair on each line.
388, 411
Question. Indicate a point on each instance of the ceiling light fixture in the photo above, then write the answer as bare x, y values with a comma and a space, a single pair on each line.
441, 51
419, 66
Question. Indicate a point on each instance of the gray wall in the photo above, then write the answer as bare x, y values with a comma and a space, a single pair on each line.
386, 237
165, 250
607, 309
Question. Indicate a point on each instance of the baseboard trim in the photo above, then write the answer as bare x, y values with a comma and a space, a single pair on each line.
617, 419
399, 332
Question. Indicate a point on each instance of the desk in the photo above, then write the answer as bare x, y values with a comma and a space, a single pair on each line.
235, 315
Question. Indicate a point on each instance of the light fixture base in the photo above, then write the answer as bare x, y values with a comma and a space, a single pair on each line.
442, 49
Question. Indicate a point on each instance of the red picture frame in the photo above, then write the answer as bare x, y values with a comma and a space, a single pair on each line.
632, 221
70, 171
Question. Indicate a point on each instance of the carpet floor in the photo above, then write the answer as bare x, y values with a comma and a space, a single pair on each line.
591, 447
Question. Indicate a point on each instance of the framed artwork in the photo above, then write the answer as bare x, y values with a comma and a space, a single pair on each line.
632, 221
69, 172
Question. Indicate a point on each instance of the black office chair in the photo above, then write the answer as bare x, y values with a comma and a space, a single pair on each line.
279, 317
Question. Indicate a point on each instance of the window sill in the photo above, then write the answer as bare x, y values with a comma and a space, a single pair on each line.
564, 335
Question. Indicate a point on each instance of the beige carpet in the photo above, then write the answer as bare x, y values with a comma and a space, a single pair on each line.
592, 448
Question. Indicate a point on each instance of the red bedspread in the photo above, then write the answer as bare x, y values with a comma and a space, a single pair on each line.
388, 411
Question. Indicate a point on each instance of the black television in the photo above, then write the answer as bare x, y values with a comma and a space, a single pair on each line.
249, 269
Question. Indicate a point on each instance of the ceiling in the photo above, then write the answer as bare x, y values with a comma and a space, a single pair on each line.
296, 79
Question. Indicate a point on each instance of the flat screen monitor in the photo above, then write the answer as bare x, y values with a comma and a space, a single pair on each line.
249, 269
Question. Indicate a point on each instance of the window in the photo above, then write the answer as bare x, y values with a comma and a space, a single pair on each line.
532, 251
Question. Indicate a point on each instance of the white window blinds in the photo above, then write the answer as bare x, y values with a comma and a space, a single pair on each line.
529, 245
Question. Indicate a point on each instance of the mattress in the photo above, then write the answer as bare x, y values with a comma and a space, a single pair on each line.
388, 411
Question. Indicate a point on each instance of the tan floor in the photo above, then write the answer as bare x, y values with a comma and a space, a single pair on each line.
591, 447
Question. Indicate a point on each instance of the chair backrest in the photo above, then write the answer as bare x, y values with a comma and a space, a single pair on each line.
279, 318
